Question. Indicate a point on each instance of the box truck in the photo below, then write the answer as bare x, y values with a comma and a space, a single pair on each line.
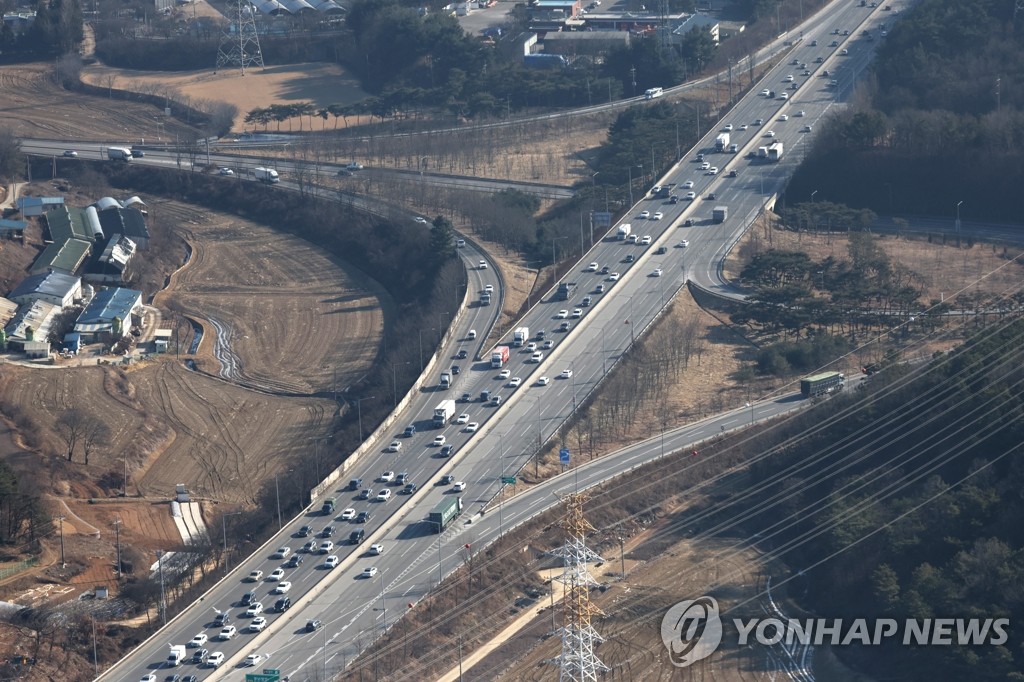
520, 336
444, 413
499, 356
267, 175
623, 232
119, 153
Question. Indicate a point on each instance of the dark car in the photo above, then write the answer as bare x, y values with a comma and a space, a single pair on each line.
365, 494
447, 479
356, 536
466, 398
461, 355
222, 619
409, 489
732, 174
674, 199
190, 678
345, 173
712, 196
327, 532
456, 369
172, 678
314, 625
364, 516
586, 301
138, 154
200, 656
282, 604
661, 249
447, 450
688, 222
630, 258
304, 531
248, 598
402, 478
294, 561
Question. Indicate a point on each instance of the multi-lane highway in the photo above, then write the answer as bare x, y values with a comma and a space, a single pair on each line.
355, 609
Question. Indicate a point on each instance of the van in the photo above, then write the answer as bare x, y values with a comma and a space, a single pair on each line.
356, 536
484, 395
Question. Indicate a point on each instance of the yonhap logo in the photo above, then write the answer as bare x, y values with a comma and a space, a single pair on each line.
691, 631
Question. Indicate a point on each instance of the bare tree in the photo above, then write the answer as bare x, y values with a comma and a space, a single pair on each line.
71, 427
95, 435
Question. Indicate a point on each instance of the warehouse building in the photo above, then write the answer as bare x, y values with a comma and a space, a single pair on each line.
50, 287
111, 311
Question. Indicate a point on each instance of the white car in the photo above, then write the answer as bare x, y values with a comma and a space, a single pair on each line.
801, 114
691, 195
548, 345
257, 624
765, 92
744, 126
215, 659
254, 577
462, 419
348, 514
331, 561
784, 117
276, 575
788, 79
471, 427
644, 215
482, 265
784, 96
377, 549
148, 678
537, 356
688, 184
354, 166
713, 170
613, 277
421, 220
592, 267
770, 133
439, 440
253, 659
514, 382
282, 553
387, 477
844, 52
199, 640
646, 240
459, 486
226, 171
226, 633
543, 381
383, 496
70, 153
562, 314
395, 446
532, 346
489, 288
655, 189
282, 587
504, 374
577, 313
658, 216
369, 571
326, 547
254, 609
705, 165
728, 127
656, 273
566, 374
684, 243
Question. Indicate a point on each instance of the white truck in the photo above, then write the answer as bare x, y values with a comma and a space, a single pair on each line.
623, 232
499, 356
446, 379
119, 153
267, 175
520, 336
722, 142
176, 655
775, 152
653, 93
444, 413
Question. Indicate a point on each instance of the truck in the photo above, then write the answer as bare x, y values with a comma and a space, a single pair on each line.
653, 93
446, 379
444, 512
822, 384
722, 142
719, 214
176, 655
499, 356
775, 152
762, 152
623, 232
119, 153
267, 175
444, 413
328, 506
565, 291
520, 336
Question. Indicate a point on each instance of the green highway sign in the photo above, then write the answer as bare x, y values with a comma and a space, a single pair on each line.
253, 677
508, 480
271, 671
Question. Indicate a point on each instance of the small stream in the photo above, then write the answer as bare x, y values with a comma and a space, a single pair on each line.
197, 337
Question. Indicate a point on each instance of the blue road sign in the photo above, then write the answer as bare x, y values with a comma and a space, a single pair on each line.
563, 456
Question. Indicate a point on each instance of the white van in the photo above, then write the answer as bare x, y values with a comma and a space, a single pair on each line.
471, 335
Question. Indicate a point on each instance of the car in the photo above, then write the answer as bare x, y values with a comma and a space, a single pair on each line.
561, 314
276, 575
684, 243
712, 196
438, 441
586, 301
691, 195
226, 171
819, 60
311, 546
783, 96
461, 355
769, 133
728, 127
456, 369
566, 374
489, 288
674, 199
482, 265
577, 313
387, 477
644, 215
421, 220
591, 268
471, 334
395, 446
688, 184
744, 126
460, 486
564, 327
614, 277
327, 532
199, 640
138, 154
504, 374
215, 659
704, 166
514, 382
688, 223
834, 43
314, 625
462, 419
331, 561
656, 273
369, 572
530, 347
846, 32
403, 478
806, 129
629, 258
548, 345
70, 153
605, 270
599, 289
765, 92
446, 479
814, 43
844, 52
759, 121
364, 516
282, 587
326, 547
282, 604
658, 216
537, 357
826, 73
409, 489
255, 609
304, 532
382, 496
282, 553
148, 678
646, 240
789, 78
253, 659
353, 166
222, 619
471, 427
365, 494
713, 170
783, 117
447, 450
257, 624
254, 576
800, 114
294, 562
410, 431
655, 189
227, 632
200, 656
633, 239
543, 381
342, 173
733, 173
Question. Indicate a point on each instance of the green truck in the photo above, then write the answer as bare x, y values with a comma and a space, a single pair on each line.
328, 507
444, 512
822, 384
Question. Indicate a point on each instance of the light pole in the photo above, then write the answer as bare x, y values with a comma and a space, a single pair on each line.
163, 596
277, 490
359, 411
751, 406
383, 604
394, 380
958, 217
554, 260
117, 535
812, 196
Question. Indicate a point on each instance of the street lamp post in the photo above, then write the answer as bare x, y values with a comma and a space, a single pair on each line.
277, 491
812, 196
958, 217
554, 260
383, 603
359, 412
117, 535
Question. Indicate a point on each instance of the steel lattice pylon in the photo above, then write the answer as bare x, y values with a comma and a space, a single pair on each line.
577, 660
241, 49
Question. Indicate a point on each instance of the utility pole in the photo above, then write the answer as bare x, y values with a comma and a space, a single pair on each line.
117, 534
163, 596
277, 489
63, 564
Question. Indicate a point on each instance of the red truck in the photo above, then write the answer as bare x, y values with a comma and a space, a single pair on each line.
499, 356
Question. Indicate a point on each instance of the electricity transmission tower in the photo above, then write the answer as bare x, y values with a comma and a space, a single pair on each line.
577, 660
241, 48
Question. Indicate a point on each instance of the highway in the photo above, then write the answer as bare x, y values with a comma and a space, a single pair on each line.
356, 609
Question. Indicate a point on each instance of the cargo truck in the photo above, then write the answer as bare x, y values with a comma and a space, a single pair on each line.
267, 175
444, 413
176, 656
499, 356
722, 142
565, 291
623, 232
119, 153
822, 384
444, 512
520, 336
446, 379
719, 214
775, 152
762, 152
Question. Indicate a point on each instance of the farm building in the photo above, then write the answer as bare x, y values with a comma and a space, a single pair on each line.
66, 257
34, 206
697, 22
109, 312
49, 287
118, 221
7, 310
162, 339
12, 228
72, 223
31, 323
109, 266
36, 349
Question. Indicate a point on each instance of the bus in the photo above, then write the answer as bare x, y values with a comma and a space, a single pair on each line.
651, 93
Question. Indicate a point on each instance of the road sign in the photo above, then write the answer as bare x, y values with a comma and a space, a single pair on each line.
271, 671
254, 677
602, 219
563, 456
508, 480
